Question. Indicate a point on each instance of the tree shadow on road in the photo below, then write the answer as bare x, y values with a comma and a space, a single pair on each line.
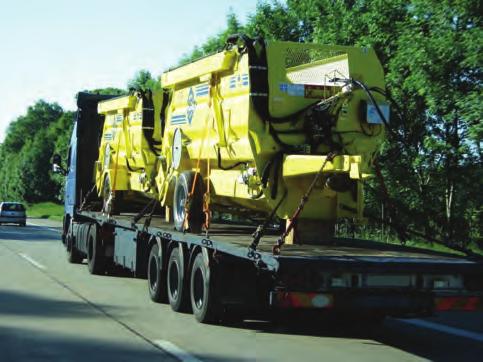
24, 305
391, 332
35, 234
25, 344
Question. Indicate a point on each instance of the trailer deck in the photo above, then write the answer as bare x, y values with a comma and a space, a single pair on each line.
339, 253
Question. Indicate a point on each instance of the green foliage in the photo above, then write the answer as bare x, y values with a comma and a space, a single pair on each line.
216, 42
38, 116
108, 91
46, 210
275, 21
143, 80
26, 152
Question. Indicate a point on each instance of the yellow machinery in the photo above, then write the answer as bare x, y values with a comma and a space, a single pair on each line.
128, 153
248, 130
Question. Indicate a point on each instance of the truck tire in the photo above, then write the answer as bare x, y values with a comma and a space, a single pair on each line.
96, 260
195, 216
65, 228
176, 286
73, 255
156, 275
204, 302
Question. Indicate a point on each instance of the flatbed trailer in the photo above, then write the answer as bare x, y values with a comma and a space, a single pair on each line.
218, 275
348, 276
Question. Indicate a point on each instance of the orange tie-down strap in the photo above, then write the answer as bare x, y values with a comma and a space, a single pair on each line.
458, 303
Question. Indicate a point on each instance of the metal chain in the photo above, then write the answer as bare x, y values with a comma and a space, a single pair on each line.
86, 197
281, 240
260, 231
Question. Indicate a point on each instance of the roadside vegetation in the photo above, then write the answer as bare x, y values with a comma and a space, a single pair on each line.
45, 210
432, 160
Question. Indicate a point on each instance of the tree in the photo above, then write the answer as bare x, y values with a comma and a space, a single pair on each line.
108, 91
26, 153
24, 128
143, 80
275, 21
216, 42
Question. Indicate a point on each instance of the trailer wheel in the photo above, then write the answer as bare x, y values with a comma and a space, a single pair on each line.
96, 260
203, 299
156, 275
176, 282
73, 255
195, 216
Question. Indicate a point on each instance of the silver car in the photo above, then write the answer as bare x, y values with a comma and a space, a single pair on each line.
13, 213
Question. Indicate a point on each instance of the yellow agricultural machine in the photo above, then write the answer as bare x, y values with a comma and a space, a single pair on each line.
260, 128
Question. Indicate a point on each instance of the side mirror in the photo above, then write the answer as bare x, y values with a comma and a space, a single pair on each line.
57, 165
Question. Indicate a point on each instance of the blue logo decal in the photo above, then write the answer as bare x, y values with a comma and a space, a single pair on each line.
191, 106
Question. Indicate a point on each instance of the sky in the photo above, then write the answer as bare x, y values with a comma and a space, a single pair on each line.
51, 49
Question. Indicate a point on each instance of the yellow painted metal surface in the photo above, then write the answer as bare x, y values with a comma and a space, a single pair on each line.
212, 102
306, 165
214, 64
124, 154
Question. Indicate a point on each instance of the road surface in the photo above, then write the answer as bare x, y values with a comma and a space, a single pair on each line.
54, 311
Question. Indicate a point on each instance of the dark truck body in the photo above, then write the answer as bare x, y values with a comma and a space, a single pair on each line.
347, 275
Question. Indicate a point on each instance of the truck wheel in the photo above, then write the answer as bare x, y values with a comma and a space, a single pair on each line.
203, 299
73, 255
110, 200
195, 212
176, 283
96, 261
156, 275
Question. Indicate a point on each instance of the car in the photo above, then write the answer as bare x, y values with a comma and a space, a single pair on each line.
12, 213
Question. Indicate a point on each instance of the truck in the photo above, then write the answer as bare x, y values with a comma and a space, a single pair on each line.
284, 135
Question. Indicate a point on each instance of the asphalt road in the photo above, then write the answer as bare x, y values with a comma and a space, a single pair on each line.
54, 311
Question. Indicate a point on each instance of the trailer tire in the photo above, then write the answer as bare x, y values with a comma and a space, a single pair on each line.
73, 255
176, 286
96, 260
183, 187
156, 275
204, 302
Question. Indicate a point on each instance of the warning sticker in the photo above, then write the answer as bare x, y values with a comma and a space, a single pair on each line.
296, 90
308, 90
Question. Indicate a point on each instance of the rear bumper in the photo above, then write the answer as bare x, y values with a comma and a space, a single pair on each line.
13, 219
395, 303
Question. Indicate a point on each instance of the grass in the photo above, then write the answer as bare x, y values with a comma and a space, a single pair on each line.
391, 239
46, 210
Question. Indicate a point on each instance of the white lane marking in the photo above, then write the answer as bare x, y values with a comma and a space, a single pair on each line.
54, 230
32, 261
174, 350
445, 329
